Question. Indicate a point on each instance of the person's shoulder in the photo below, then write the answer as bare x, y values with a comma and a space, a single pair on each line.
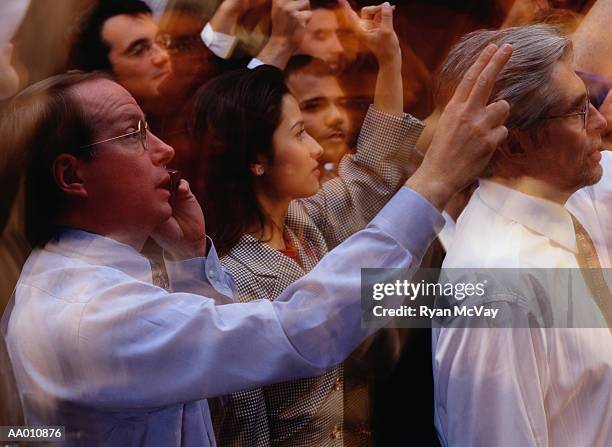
484, 239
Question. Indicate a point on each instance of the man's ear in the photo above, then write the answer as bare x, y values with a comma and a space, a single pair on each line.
257, 169
67, 175
517, 147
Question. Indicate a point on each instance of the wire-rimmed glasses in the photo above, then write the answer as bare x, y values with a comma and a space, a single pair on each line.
141, 132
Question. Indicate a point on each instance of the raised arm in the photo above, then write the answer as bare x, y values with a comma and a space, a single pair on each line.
314, 324
375, 29
225, 19
289, 20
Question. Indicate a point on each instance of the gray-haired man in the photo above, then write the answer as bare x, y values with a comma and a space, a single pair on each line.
535, 386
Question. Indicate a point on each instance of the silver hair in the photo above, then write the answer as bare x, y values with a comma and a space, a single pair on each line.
524, 81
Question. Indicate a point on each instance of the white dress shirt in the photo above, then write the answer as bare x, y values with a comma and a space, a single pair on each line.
522, 386
96, 347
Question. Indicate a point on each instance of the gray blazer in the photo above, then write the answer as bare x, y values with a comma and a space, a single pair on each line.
309, 412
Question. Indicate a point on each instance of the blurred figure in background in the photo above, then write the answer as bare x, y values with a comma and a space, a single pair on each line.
327, 35
192, 65
288, 21
12, 251
120, 36
323, 103
11, 15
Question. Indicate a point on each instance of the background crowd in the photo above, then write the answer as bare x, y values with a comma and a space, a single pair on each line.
362, 84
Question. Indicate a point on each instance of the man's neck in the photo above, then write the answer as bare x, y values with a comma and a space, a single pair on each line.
135, 238
534, 187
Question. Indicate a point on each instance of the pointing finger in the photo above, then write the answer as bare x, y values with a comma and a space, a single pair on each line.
466, 84
483, 87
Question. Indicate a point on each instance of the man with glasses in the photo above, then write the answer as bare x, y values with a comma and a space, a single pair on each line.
512, 384
101, 350
121, 36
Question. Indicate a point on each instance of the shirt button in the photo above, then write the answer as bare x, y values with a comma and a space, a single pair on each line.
337, 384
211, 273
336, 433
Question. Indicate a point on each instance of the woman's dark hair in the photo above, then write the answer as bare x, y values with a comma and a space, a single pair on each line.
42, 122
89, 51
234, 118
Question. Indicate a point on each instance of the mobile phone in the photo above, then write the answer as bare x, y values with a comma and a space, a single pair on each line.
175, 179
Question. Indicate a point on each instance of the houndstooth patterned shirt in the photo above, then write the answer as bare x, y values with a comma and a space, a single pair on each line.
309, 412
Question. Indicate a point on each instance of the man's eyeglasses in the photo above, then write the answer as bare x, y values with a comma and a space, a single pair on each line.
584, 113
140, 134
145, 47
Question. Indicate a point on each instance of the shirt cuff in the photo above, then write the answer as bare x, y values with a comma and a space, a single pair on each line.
447, 233
411, 220
202, 276
220, 44
255, 63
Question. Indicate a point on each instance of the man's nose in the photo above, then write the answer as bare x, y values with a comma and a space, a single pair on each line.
596, 120
160, 55
336, 115
161, 153
335, 46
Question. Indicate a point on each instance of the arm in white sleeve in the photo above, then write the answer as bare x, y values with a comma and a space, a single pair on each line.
490, 386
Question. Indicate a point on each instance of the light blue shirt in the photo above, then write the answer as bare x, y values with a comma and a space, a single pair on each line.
98, 348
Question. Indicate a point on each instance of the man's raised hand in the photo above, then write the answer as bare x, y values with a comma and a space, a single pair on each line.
374, 28
468, 132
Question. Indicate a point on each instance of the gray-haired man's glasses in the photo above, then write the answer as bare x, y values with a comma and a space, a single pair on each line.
140, 133
583, 113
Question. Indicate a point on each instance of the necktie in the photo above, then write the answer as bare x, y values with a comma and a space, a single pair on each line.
591, 271
158, 275
154, 254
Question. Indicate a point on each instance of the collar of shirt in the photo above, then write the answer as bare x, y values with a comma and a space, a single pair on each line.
539, 215
100, 250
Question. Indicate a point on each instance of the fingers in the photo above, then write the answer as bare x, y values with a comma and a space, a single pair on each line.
497, 113
382, 13
349, 13
497, 136
368, 12
293, 6
464, 89
183, 187
481, 92
387, 15
300, 5
303, 17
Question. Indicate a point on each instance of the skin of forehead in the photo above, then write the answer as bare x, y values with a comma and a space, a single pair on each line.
570, 86
322, 19
104, 101
124, 29
307, 86
290, 113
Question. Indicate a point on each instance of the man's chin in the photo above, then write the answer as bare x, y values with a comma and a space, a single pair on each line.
594, 175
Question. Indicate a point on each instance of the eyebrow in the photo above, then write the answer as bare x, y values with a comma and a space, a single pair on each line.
123, 118
297, 123
315, 99
579, 100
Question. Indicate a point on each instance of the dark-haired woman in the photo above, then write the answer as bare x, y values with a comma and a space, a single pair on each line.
272, 222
